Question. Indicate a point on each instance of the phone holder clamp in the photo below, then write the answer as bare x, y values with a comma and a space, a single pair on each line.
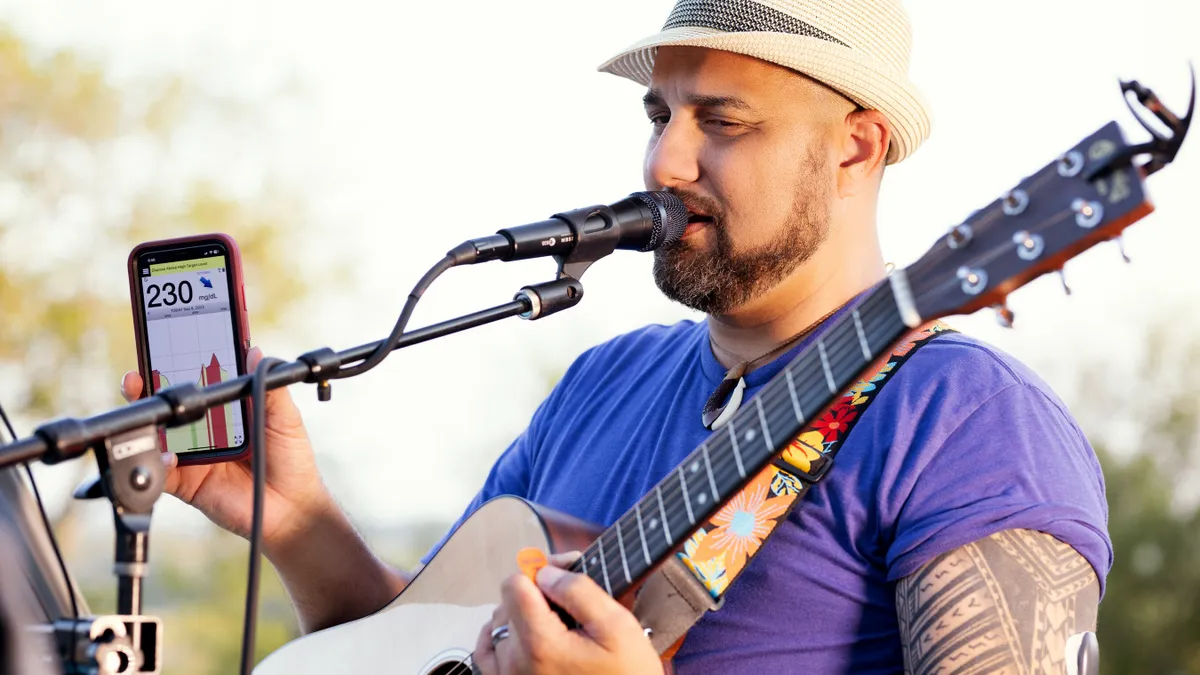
323, 365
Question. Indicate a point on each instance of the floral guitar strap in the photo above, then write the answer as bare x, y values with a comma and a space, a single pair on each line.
719, 550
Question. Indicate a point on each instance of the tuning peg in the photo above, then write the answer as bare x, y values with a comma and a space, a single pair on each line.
1062, 276
1004, 316
1121, 247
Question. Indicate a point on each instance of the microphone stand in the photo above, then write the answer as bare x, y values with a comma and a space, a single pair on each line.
126, 444
181, 404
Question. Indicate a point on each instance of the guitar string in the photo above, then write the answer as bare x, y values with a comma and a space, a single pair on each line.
672, 490
937, 286
942, 251
1032, 186
725, 461
670, 487
870, 316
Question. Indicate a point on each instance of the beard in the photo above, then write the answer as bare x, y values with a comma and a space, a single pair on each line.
720, 278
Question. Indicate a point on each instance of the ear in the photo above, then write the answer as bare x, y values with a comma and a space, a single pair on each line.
866, 136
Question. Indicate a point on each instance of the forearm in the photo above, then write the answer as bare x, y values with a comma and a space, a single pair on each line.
1007, 603
331, 575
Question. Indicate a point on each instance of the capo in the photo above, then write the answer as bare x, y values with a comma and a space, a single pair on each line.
1162, 148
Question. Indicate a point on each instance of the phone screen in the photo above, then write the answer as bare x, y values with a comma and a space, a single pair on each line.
189, 309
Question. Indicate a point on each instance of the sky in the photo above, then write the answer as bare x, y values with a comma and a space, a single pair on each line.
424, 124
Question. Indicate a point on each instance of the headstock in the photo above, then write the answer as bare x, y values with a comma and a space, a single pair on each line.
1088, 195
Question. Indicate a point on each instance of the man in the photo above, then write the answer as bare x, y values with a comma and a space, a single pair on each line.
963, 526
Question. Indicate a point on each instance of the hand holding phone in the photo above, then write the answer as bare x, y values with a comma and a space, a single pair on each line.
190, 322
191, 325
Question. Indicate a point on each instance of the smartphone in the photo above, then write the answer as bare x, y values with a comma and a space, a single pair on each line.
190, 324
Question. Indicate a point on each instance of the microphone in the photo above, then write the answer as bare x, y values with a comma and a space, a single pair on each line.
643, 221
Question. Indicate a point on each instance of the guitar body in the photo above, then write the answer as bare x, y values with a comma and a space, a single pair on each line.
433, 624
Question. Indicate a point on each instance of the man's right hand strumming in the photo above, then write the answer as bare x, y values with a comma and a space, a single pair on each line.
330, 574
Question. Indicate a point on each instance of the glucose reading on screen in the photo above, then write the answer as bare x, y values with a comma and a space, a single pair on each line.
189, 305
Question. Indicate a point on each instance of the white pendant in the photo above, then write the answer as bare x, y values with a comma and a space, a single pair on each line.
731, 408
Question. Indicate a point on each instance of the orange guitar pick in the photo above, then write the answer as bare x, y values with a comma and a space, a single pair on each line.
530, 560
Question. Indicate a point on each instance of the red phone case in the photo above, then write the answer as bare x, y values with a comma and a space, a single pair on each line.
142, 343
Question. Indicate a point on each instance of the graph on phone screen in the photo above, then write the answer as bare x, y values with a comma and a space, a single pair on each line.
189, 327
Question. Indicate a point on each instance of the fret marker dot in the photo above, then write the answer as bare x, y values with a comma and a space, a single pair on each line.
750, 435
695, 466
595, 560
653, 523
702, 498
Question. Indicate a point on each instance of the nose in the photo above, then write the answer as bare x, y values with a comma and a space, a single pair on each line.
673, 157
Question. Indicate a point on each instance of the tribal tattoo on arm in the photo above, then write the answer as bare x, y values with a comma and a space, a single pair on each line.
1004, 604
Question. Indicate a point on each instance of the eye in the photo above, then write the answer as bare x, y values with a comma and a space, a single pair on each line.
659, 119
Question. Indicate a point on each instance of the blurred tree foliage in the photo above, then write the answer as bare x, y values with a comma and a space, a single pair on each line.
1148, 440
89, 167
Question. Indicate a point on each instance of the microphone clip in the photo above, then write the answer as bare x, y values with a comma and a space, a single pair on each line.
550, 297
597, 235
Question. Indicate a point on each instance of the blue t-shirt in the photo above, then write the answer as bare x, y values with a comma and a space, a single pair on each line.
963, 442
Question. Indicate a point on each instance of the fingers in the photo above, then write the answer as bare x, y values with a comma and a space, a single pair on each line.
599, 614
282, 414
484, 655
131, 389
131, 386
530, 616
172, 483
564, 560
252, 358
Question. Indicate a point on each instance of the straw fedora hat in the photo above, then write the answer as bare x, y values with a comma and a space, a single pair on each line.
858, 47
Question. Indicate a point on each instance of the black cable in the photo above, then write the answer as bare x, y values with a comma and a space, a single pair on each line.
258, 458
37, 495
258, 470
381, 352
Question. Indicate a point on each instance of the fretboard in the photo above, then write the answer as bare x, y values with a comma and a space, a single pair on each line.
735, 453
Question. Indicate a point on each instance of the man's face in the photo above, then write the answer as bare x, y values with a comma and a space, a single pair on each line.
749, 148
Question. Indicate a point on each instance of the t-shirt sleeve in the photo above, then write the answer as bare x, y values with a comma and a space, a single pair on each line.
1016, 461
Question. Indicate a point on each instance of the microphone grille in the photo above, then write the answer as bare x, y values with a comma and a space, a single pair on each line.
670, 217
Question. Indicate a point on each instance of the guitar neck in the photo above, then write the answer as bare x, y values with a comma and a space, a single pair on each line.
733, 455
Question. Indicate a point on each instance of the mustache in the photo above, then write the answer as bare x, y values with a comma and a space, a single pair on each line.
697, 203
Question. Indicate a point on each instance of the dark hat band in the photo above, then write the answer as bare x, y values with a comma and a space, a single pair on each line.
741, 16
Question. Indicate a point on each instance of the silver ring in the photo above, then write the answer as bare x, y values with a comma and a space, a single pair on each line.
498, 634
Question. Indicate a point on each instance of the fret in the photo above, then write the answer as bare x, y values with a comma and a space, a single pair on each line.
604, 566
862, 337
762, 417
825, 365
637, 508
792, 390
712, 482
666, 528
621, 545
737, 454
583, 561
687, 502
